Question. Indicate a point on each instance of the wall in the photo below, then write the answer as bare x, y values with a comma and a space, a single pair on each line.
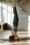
23, 19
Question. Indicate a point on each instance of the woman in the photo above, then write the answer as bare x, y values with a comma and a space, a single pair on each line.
15, 23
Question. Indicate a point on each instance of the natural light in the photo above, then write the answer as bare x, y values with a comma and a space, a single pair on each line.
28, 26
7, 12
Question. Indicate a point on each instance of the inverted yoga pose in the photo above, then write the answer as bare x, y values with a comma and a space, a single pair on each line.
15, 23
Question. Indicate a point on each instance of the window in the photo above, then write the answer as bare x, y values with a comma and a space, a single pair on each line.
29, 26
0, 12
29, 23
6, 14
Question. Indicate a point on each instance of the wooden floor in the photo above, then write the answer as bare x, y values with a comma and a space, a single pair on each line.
27, 42
21, 42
